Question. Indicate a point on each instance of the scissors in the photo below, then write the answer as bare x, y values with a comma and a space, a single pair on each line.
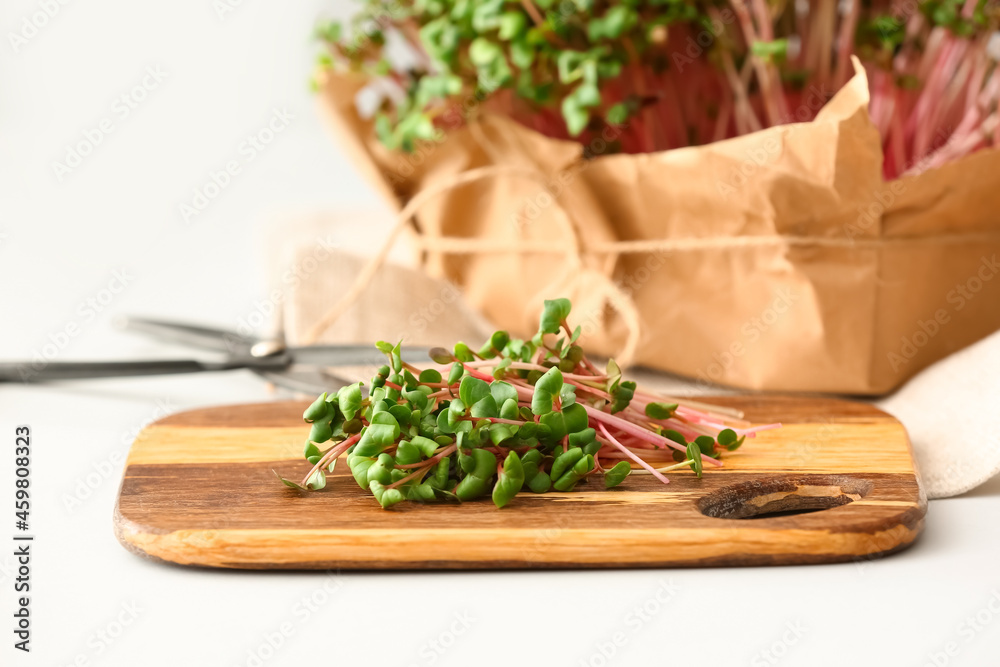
302, 369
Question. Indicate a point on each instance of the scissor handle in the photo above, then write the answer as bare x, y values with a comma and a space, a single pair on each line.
31, 372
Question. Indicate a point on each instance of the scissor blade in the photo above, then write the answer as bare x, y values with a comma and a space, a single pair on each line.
352, 355
304, 379
206, 338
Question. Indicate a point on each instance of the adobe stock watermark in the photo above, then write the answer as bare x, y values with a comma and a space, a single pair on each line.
102, 639
434, 648
32, 24
694, 47
544, 538
428, 312
591, 320
109, 467
610, 645
879, 544
770, 147
779, 648
750, 332
971, 627
218, 180
87, 311
958, 298
321, 249
76, 152
381, 16
899, 14
301, 612
224, 8
869, 215
532, 207
455, 116
962, 466
807, 450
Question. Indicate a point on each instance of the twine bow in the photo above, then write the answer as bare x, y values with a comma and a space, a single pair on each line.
600, 289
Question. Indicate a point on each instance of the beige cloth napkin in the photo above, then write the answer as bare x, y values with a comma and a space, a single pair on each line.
951, 410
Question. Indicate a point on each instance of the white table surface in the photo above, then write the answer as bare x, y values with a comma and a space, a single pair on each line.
61, 243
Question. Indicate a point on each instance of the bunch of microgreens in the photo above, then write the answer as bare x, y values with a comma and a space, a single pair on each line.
649, 75
535, 415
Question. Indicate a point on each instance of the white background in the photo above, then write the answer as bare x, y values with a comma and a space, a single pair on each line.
61, 242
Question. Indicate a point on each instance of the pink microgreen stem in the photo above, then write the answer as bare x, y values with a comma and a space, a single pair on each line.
417, 473
334, 452
627, 452
427, 466
476, 374
525, 366
639, 432
441, 453
591, 390
443, 393
682, 464
753, 430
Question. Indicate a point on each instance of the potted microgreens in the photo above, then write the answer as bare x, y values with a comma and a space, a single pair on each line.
758, 193
535, 414
681, 73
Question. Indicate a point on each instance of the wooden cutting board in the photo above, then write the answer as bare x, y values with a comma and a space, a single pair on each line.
198, 490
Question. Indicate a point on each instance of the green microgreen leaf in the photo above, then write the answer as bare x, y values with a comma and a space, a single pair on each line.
289, 483
320, 432
310, 450
407, 453
512, 24
617, 475
349, 399
472, 390
430, 376
570, 478
622, 396
463, 353
671, 434
694, 454
456, 372
385, 497
547, 388
485, 408
727, 438
316, 481
575, 417
378, 435
441, 355
510, 480
318, 410
509, 409
660, 410
554, 314
565, 461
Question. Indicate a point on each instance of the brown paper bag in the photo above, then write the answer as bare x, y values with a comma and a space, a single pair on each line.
779, 260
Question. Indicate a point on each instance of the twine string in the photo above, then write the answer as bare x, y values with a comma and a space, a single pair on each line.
576, 248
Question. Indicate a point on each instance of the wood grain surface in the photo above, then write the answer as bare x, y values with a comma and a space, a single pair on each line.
836, 483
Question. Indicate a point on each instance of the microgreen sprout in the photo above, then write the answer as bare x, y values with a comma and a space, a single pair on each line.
518, 416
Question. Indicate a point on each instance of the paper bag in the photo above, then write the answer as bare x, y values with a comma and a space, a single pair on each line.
779, 260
